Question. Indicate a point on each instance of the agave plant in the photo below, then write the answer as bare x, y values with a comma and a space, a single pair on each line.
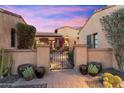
92, 69
28, 73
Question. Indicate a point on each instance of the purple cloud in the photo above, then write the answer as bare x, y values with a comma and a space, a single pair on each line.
43, 17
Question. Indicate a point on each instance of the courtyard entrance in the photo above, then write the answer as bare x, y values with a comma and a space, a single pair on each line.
60, 60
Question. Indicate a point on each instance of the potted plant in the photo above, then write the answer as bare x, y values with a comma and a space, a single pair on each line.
83, 69
98, 65
40, 72
22, 68
28, 74
92, 70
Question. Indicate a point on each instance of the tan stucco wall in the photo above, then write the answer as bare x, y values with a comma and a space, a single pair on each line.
6, 23
82, 55
103, 56
22, 57
38, 57
69, 32
94, 26
43, 56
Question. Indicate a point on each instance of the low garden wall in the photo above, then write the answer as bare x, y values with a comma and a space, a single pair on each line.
38, 57
22, 57
103, 56
82, 55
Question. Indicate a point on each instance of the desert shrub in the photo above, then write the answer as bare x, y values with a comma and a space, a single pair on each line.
113, 26
26, 36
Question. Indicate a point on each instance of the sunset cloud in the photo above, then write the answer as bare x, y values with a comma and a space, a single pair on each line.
48, 18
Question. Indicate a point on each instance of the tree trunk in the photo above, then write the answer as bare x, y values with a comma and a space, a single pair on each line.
119, 59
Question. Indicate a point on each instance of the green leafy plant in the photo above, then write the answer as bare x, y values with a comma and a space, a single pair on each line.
71, 57
92, 69
113, 26
26, 36
28, 73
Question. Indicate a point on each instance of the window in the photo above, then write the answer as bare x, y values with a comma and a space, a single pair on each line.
95, 40
13, 38
88, 41
74, 42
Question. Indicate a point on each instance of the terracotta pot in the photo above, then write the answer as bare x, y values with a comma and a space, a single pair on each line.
22, 67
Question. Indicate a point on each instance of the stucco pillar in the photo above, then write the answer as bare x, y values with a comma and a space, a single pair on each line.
80, 55
43, 53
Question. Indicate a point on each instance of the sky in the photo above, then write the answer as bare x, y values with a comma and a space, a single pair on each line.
48, 18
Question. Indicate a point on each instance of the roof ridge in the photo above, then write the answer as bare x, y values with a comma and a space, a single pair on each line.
8, 12
94, 14
67, 27
11, 13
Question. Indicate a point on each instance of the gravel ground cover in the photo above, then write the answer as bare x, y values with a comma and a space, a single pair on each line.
9, 82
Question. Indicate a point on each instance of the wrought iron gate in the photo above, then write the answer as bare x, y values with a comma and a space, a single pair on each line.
60, 60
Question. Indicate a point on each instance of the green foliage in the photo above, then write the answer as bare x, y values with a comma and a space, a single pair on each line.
9, 65
71, 57
26, 36
113, 26
92, 69
28, 73
2, 62
5, 66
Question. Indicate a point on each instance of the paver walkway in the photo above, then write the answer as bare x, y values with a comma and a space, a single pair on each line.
62, 79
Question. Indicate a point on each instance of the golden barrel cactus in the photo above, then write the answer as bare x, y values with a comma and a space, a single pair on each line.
110, 80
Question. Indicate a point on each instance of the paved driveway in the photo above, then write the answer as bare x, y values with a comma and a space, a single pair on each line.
64, 79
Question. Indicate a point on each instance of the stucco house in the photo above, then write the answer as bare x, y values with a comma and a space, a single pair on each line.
91, 33
8, 21
70, 35
47, 38
92, 40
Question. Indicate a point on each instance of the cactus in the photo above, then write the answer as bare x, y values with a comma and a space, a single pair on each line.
2, 63
107, 75
9, 65
5, 69
28, 73
116, 81
105, 79
107, 84
111, 80
92, 69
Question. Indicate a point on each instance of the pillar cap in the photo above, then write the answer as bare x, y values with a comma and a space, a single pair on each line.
80, 45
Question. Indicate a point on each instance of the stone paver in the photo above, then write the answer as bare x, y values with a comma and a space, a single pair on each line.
61, 79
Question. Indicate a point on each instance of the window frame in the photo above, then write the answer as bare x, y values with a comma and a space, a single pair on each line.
95, 38
13, 38
89, 41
